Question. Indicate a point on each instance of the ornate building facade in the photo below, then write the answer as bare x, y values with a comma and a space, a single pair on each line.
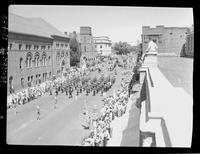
36, 52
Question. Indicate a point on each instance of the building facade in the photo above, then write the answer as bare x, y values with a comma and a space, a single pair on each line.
87, 44
34, 55
102, 45
168, 39
189, 45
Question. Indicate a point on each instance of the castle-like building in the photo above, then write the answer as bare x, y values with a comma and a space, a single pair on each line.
169, 40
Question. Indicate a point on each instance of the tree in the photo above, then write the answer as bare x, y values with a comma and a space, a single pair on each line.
122, 48
75, 53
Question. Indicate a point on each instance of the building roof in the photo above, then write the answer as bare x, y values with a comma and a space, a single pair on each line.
34, 26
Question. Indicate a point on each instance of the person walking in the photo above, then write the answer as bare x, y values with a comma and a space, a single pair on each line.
38, 112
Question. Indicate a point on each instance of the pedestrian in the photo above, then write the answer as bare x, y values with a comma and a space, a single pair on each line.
55, 105
38, 112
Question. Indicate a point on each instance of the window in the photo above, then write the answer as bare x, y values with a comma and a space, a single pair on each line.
49, 60
100, 46
85, 48
36, 79
36, 47
49, 74
20, 46
95, 46
28, 47
44, 59
37, 56
31, 79
28, 83
62, 45
10, 46
57, 45
20, 62
39, 78
28, 60
66, 45
58, 56
43, 47
171, 33
22, 82
48, 47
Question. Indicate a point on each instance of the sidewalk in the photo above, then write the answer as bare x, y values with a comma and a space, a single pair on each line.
174, 105
120, 124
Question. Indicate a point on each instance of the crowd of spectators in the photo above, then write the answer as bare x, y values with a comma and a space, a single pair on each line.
114, 106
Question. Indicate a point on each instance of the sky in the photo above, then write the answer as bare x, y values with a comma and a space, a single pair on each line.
118, 23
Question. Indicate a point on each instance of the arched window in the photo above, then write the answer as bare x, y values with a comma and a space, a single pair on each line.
49, 60
21, 63
28, 59
22, 82
37, 57
43, 58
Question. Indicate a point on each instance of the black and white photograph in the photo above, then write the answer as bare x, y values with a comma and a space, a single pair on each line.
108, 76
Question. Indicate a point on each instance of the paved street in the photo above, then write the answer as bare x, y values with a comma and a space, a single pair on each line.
61, 126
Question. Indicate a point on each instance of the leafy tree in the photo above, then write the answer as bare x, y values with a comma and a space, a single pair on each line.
123, 48
75, 53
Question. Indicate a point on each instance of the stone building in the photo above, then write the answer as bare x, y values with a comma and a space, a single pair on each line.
36, 52
102, 45
169, 39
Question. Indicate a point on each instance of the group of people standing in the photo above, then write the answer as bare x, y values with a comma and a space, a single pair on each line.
114, 106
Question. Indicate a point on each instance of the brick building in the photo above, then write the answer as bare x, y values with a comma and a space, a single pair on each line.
36, 52
87, 44
189, 45
169, 39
